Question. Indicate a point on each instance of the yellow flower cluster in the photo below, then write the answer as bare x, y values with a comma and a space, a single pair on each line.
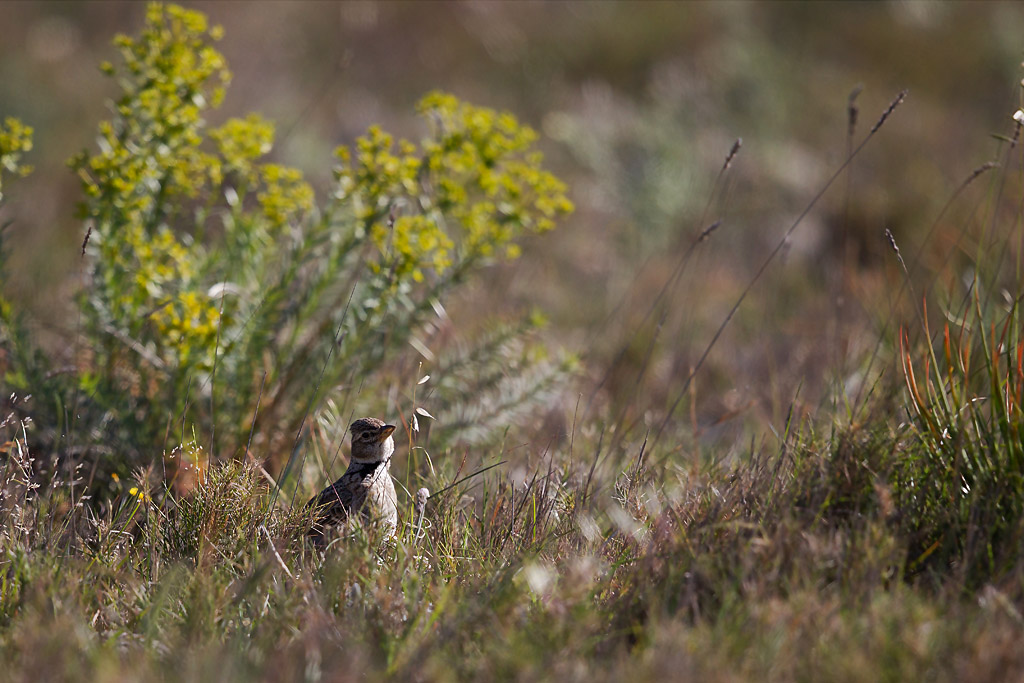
286, 196
189, 325
185, 320
15, 140
417, 241
151, 157
487, 156
469, 191
241, 142
149, 153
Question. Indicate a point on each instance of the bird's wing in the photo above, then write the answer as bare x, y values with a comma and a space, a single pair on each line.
339, 499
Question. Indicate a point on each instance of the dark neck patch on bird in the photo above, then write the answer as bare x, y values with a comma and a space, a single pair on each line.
364, 469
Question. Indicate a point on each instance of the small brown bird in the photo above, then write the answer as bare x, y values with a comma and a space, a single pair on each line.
366, 487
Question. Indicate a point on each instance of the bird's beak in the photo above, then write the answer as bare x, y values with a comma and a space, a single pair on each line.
386, 431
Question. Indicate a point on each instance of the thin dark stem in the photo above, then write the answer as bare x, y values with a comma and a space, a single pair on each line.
768, 260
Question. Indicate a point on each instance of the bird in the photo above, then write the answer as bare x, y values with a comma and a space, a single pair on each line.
366, 488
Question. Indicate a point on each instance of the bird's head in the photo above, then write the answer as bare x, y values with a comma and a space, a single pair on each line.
371, 440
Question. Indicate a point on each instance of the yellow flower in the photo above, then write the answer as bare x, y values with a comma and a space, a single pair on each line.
285, 196
475, 188
15, 140
242, 141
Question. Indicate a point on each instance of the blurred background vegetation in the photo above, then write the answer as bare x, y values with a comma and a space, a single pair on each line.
638, 105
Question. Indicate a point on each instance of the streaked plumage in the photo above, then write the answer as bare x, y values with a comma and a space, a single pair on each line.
366, 488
